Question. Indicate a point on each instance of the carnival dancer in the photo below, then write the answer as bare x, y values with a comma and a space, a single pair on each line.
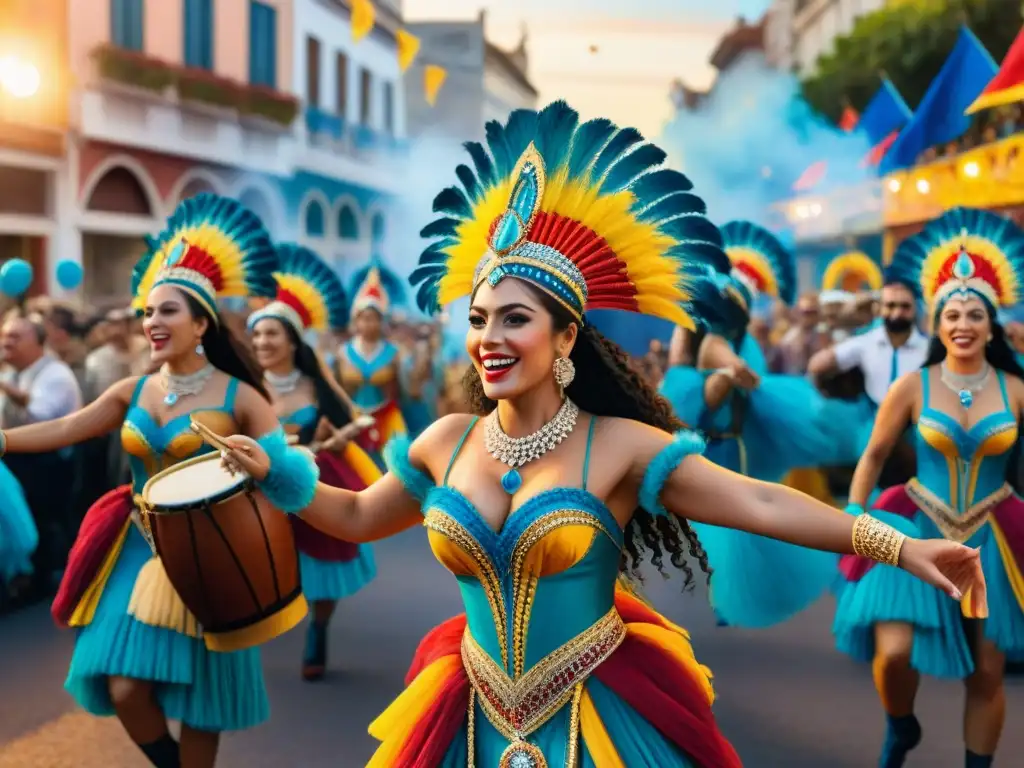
311, 405
139, 653
551, 664
759, 424
19, 537
368, 362
966, 403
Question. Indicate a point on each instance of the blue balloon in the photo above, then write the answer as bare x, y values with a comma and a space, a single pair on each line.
15, 278
69, 274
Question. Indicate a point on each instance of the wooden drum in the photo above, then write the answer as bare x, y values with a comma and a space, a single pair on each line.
227, 551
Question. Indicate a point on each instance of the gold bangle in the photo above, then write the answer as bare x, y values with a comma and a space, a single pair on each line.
876, 540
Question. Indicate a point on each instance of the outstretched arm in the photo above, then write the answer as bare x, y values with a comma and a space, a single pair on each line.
98, 418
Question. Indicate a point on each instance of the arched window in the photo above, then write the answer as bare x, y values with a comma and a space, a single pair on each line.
348, 224
314, 219
119, 191
377, 227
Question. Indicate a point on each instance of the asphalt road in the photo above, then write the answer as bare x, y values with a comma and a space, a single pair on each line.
785, 697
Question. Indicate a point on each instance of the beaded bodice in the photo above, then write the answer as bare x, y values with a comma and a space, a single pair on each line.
367, 379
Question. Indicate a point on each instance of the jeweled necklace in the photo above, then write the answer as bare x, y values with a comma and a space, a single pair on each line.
285, 384
965, 385
517, 451
177, 386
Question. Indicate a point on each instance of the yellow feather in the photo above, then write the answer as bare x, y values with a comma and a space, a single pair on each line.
309, 296
757, 262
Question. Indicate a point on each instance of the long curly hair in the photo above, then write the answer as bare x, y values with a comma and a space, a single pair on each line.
606, 385
998, 352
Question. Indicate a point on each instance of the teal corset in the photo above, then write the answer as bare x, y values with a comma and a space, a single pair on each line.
963, 467
152, 448
368, 380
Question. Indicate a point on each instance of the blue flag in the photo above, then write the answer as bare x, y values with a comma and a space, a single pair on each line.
940, 115
885, 113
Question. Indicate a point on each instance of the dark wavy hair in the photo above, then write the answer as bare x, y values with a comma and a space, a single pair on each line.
225, 351
606, 385
329, 403
998, 352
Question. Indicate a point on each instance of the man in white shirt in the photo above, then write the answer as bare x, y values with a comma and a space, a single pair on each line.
38, 387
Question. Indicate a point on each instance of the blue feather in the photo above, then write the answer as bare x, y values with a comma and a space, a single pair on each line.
520, 131
445, 227
679, 204
632, 165
590, 137
746, 234
452, 200
555, 127
426, 298
691, 228
497, 141
469, 182
657, 184
482, 163
618, 144
702, 253
301, 262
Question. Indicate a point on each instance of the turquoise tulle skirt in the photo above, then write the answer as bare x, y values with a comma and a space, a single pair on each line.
18, 534
324, 580
205, 690
940, 645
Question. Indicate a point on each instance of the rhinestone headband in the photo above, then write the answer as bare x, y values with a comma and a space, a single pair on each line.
195, 283
543, 266
279, 311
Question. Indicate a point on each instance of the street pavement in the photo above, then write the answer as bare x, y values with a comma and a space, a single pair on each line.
786, 698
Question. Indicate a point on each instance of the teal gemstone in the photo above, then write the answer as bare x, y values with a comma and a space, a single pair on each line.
507, 233
170, 398
495, 276
966, 398
511, 481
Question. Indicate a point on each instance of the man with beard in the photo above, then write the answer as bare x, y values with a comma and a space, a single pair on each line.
892, 349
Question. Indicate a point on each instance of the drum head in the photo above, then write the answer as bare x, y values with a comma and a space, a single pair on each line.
202, 479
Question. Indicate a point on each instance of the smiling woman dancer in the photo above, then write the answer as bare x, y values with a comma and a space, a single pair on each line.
966, 404
139, 653
552, 665
313, 407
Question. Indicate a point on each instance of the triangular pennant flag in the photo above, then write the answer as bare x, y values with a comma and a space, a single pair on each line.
408, 47
849, 119
812, 176
1008, 84
363, 17
433, 78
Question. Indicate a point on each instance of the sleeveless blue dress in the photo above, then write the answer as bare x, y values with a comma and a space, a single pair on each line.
960, 492
19, 536
203, 689
321, 579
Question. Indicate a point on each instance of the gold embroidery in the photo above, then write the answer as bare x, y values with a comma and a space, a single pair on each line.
949, 521
522, 602
439, 521
517, 708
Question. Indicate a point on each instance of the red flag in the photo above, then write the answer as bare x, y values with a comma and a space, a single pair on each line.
849, 119
877, 152
1008, 84
811, 177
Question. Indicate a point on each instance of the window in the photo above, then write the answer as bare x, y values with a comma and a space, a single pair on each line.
199, 34
365, 96
312, 71
314, 219
348, 226
341, 78
126, 24
262, 44
389, 107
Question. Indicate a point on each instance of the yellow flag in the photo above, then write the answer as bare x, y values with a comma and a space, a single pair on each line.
408, 47
362, 19
433, 79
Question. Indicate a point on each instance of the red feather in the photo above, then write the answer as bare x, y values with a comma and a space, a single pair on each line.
203, 263
287, 297
983, 270
756, 277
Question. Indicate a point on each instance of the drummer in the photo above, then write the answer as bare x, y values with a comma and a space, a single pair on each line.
139, 653
310, 404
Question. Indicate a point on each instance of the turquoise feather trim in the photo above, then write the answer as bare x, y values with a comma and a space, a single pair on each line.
396, 457
291, 483
685, 443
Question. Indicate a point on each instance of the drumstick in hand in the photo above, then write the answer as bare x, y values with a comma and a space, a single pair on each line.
210, 436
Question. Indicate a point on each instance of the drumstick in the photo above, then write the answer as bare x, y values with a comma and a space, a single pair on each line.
363, 422
210, 436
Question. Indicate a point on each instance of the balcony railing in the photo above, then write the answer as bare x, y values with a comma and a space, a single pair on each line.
335, 134
990, 176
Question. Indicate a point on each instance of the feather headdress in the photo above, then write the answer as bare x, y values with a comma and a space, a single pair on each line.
374, 286
583, 211
856, 265
310, 296
759, 261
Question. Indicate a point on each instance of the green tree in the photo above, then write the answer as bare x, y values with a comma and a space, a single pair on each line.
907, 40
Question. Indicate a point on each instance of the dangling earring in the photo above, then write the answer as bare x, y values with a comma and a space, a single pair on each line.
565, 372
200, 349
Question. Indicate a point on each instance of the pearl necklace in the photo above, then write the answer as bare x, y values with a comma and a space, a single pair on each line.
177, 386
285, 384
965, 385
517, 451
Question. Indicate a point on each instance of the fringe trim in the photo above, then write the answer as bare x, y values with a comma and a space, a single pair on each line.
155, 602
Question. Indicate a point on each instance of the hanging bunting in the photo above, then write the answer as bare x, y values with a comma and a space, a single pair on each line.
408, 47
362, 20
433, 78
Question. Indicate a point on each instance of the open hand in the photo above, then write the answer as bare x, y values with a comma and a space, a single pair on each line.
743, 377
244, 454
953, 568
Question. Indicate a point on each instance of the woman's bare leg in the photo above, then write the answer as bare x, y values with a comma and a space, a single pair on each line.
144, 721
985, 704
896, 682
198, 748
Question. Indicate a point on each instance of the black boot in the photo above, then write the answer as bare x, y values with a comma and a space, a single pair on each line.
977, 761
314, 662
162, 753
902, 735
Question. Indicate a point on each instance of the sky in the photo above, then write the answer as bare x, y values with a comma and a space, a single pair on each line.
642, 46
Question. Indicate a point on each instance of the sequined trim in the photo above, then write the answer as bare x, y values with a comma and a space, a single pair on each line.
517, 708
451, 529
522, 601
954, 525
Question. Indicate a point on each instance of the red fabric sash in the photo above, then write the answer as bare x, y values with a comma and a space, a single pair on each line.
97, 534
336, 472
